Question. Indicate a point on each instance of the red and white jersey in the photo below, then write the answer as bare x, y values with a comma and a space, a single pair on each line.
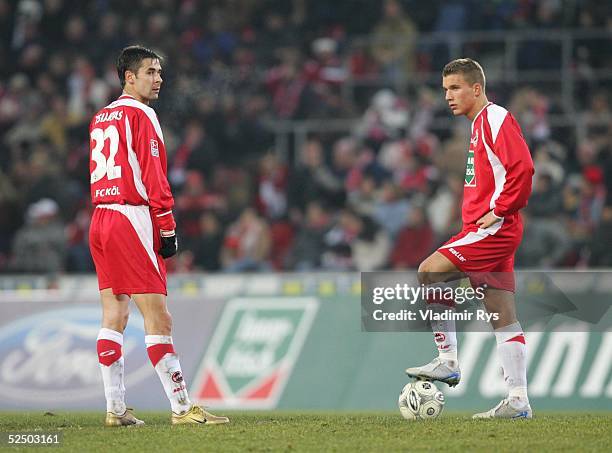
499, 168
128, 159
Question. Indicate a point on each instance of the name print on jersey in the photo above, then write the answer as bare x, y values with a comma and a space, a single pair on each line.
109, 116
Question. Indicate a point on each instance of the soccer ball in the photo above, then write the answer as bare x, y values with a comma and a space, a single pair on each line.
420, 400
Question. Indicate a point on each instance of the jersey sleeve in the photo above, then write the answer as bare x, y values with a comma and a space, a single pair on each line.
512, 151
151, 152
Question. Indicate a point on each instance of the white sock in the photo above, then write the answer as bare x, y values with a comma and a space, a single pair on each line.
166, 363
445, 334
513, 356
112, 375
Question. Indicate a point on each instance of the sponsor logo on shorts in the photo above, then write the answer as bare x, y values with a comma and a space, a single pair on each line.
107, 353
457, 254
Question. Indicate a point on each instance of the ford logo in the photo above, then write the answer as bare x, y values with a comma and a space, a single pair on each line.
51, 356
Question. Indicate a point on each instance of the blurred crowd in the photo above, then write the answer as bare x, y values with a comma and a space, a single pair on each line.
382, 195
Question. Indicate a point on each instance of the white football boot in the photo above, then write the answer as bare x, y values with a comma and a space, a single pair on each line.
506, 410
446, 371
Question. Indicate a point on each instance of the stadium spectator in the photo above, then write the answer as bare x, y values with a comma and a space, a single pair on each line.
85, 88
356, 242
545, 200
531, 109
584, 198
394, 38
78, 258
414, 241
282, 234
207, 246
272, 187
326, 70
234, 73
444, 208
309, 244
450, 158
371, 244
9, 221
313, 179
599, 117
548, 159
364, 198
196, 152
289, 88
601, 242
344, 160
392, 209
386, 117
246, 246
192, 201
40, 245
545, 243
590, 201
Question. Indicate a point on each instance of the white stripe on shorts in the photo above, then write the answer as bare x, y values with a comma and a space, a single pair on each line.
475, 236
140, 219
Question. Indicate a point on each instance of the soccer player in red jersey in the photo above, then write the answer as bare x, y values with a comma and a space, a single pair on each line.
497, 185
131, 233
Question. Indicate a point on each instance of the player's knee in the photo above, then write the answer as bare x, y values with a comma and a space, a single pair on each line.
169, 321
424, 273
124, 320
158, 322
116, 321
164, 322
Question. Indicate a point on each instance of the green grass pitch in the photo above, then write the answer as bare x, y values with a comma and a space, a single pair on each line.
321, 432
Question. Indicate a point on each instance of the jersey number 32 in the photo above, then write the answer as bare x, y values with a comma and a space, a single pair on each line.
105, 167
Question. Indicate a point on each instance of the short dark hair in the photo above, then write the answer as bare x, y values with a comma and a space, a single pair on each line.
470, 69
130, 59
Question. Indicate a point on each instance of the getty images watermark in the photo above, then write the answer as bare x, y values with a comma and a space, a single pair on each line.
398, 302
440, 295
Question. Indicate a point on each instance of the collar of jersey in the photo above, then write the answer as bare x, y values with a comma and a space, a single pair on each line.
478, 114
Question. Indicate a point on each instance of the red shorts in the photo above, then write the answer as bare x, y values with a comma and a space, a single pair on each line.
486, 255
123, 246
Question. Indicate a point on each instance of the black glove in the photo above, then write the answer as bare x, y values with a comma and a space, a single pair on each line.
169, 244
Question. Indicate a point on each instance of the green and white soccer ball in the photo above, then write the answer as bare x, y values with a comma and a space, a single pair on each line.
420, 400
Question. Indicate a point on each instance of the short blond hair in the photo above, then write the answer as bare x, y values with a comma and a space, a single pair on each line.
470, 69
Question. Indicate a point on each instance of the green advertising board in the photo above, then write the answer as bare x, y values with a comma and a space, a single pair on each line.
318, 357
